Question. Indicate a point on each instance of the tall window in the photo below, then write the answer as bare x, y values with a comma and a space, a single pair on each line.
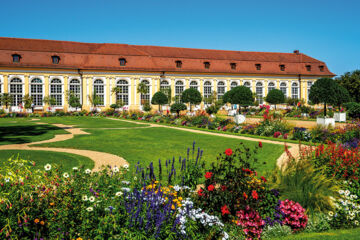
233, 85
164, 84
123, 95
145, 97
259, 92
207, 91
294, 90
194, 84
309, 84
220, 90
271, 86
16, 91
36, 91
247, 84
179, 88
283, 88
99, 89
75, 88
56, 91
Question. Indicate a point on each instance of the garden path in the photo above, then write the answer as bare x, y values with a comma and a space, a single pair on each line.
99, 158
294, 149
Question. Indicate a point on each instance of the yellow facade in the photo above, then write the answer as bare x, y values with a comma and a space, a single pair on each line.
110, 79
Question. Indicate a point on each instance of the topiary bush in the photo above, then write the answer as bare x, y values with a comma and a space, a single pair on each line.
177, 107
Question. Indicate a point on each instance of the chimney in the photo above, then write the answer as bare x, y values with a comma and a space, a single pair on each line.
296, 52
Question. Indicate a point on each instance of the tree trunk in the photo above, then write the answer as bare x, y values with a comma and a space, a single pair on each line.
190, 107
324, 109
159, 107
275, 106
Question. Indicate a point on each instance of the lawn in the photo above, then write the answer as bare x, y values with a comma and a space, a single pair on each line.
66, 160
342, 234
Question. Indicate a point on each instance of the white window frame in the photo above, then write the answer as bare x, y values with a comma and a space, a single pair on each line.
221, 92
259, 94
293, 88
80, 87
123, 95
206, 91
12, 77
179, 89
148, 95
194, 86
272, 87
284, 87
233, 86
42, 89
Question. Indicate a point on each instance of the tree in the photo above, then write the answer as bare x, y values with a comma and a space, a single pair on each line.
49, 101
191, 96
6, 99
239, 95
167, 92
324, 91
94, 99
351, 81
275, 96
73, 99
28, 100
142, 88
177, 107
159, 98
342, 96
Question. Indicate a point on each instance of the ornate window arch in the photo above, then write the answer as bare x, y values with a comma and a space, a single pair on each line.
194, 84
220, 89
295, 90
145, 97
207, 91
179, 88
56, 91
259, 92
16, 91
36, 91
99, 89
123, 95
247, 84
271, 86
233, 85
164, 84
75, 87
283, 88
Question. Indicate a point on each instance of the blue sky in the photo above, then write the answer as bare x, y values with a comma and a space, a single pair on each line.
327, 30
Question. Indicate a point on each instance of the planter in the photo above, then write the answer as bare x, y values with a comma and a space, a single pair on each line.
340, 117
231, 112
240, 118
305, 115
28, 111
325, 121
71, 109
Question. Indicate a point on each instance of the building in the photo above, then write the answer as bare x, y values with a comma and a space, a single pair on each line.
51, 68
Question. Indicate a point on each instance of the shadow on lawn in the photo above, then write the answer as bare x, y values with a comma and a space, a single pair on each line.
23, 134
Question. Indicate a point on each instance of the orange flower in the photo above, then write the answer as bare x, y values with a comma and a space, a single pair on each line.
36, 220
52, 204
42, 222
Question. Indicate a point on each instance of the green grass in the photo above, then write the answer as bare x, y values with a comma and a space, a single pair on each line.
90, 122
66, 160
18, 131
150, 144
347, 234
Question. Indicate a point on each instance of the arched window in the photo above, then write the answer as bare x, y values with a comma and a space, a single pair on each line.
309, 84
207, 91
294, 90
123, 95
220, 90
99, 90
259, 92
233, 85
194, 84
164, 84
56, 91
179, 88
36, 91
271, 86
145, 97
283, 88
16, 91
247, 84
75, 88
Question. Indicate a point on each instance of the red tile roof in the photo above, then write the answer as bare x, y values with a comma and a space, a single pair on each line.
105, 56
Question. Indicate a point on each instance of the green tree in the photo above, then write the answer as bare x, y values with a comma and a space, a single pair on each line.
191, 96
324, 91
275, 96
6, 99
351, 81
342, 96
159, 98
94, 99
49, 101
239, 95
28, 100
73, 99
177, 107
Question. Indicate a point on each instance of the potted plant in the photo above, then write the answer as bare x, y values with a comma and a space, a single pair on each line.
6, 99
51, 102
342, 96
160, 99
275, 96
74, 102
28, 101
324, 91
191, 96
242, 96
305, 111
143, 89
177, 107
95, 101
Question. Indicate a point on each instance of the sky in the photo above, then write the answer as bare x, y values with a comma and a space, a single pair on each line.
327, 30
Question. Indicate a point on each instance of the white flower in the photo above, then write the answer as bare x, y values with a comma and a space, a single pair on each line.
126, 166
347, 192
135, 178
356, 222
125, 182
226, 236
7, 179
75, 168
90, 209
118, 194
177, 188
87, 171
116, 169
66, 175
92, 199
125, 189
84, 198
10, 173
47, 167
331, 214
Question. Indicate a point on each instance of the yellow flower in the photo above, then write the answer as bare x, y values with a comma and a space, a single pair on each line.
36, 220
79, 238
180, 198
173, 207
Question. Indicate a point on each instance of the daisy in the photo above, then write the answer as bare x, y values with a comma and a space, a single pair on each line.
331, 214
47, 167
84, 198
90, 209
116, 169
87, 171
7, 179
92, 199
125, 182
118, 194
135, 178
75, 168
66, 175
126, 166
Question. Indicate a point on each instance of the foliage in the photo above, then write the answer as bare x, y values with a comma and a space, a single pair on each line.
342, 96
214, 108
159, 98
167, 92
276, 231
94, 99
28, 100
353, 109
49, 100
324, 90
301, 134
239, 95
177, 107
191, 96
74, 100
294, 215
351, 81
318, 222
292, 101
147, 107
275, 96
6, 99
114, 106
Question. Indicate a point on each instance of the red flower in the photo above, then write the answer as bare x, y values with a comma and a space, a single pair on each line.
263, 178
260, 144
211, 187
225, 210
223, 188
255, 195
245, 195
228, 152
200, 193
208, 175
